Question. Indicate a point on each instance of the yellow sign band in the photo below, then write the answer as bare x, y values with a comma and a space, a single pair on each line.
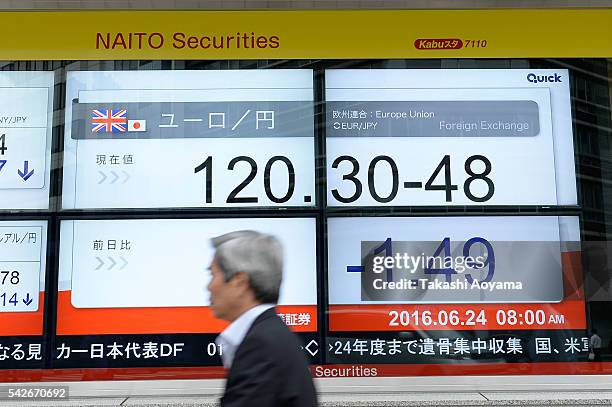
314, 34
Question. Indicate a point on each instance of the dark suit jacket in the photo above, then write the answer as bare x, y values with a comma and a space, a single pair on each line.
269, 369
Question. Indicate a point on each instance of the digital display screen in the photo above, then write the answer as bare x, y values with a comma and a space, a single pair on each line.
162, 139
23, 253
388, 264
449, 137
163, 263
26, 105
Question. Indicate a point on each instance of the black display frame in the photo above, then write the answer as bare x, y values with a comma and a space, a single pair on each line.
54, 215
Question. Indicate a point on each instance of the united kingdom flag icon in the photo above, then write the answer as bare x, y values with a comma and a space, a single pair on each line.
109, 121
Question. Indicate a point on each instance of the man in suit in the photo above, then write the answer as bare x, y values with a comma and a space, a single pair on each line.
266, 365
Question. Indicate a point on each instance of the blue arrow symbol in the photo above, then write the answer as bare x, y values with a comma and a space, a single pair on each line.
27, 300
25, 174
2, 164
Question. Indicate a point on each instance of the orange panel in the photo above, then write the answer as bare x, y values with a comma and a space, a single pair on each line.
23, 323
377, 318
158, 320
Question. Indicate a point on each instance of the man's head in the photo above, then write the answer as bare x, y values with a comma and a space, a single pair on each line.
246, 271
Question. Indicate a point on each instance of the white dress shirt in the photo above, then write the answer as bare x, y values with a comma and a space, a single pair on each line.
230, 339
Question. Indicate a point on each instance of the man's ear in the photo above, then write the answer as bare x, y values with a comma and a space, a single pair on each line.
241, 280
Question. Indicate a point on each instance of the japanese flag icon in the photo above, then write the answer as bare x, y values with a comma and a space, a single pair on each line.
137, 125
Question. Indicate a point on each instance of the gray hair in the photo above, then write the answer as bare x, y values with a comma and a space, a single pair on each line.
258, 255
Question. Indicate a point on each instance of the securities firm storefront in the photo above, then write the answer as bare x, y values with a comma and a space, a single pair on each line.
440, 181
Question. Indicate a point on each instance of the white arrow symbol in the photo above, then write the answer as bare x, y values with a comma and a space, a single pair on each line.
125, 263
127, 176
116, 177
103, 177
331, 347
112, 261
100, 263
316, 345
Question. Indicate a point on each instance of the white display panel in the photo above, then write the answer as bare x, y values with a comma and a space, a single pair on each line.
26, 106
161, 139
449, 137
527, 250
163, 263
23, 248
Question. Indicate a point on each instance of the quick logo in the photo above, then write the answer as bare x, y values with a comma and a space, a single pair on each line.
533, 78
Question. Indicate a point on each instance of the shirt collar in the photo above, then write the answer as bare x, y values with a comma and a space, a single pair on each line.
233, 335
237, 330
